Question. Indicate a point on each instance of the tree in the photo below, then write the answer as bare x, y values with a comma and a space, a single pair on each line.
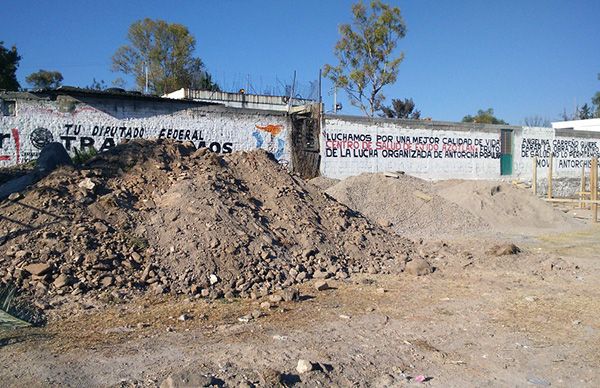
9, 61
97, 85
565, 116
365, 54
166, 52
537, 121
401, 109
596, 102
484, 117
584, 113
44, 79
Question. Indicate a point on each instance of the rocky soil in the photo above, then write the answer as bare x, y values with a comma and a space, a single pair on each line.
158, 265
527, 319
162, 217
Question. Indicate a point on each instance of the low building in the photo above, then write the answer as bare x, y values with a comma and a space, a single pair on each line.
240, 100
590, 125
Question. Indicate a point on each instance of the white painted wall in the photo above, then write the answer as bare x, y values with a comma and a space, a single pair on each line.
570, 152
104, 123
351, 147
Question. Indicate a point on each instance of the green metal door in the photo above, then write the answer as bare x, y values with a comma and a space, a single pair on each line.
506, 164
506, 159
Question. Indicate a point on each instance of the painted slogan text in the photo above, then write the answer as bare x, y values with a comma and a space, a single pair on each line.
352, 145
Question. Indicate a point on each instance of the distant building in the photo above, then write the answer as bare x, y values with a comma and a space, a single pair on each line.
241, 99
590, 125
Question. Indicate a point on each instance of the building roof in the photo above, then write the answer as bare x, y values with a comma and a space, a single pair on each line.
592, 125
107, 93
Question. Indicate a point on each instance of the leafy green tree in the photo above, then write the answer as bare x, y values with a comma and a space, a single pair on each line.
596, 102
484, 117
166, 51
9, 61
365, 53
401, 109
45, 79
584, 113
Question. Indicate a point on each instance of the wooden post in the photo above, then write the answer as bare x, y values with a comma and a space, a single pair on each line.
550, 160
594, 188
582, 187
534, 177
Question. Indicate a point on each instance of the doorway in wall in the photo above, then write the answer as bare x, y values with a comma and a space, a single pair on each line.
506, 146
305, 142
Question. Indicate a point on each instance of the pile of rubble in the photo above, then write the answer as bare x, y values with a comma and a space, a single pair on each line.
163, 217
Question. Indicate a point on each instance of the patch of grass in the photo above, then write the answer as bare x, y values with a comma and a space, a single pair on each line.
139, 243
83, 156
13, 315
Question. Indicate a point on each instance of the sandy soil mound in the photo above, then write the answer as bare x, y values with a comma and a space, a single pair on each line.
405, 203
164, 217
323, 182
507, 208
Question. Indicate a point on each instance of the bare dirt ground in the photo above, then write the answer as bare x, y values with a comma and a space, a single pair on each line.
479, 320
209, 298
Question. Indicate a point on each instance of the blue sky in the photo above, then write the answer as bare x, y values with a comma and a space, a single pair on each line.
519, 57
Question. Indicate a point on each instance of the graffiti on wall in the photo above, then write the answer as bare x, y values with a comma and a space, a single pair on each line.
273, 142
78, 136
366, 145
570, 153
13, 136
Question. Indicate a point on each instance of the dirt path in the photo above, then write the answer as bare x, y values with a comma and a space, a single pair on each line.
520, 320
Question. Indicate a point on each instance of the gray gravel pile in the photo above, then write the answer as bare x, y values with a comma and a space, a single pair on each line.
407, 204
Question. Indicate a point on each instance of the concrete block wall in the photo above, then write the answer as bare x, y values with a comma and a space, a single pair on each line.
441, 150
104, 123
430, 150
571, 150
349, 145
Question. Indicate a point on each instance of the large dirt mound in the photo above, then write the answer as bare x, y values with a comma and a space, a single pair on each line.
507, 208
165, 217
408, 203
417, 208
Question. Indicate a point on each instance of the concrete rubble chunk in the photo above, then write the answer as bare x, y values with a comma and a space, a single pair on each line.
87, 184
418, 267
291, 294
186, 379
321, 285
38, 269
15, 196
62, 280
304, 366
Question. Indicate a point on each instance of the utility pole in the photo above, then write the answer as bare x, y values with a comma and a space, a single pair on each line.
320, 96
335, 100
146, 73
292, 91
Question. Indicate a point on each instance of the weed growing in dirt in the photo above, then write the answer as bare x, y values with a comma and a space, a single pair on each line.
83, 156
14, 315
139, 243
